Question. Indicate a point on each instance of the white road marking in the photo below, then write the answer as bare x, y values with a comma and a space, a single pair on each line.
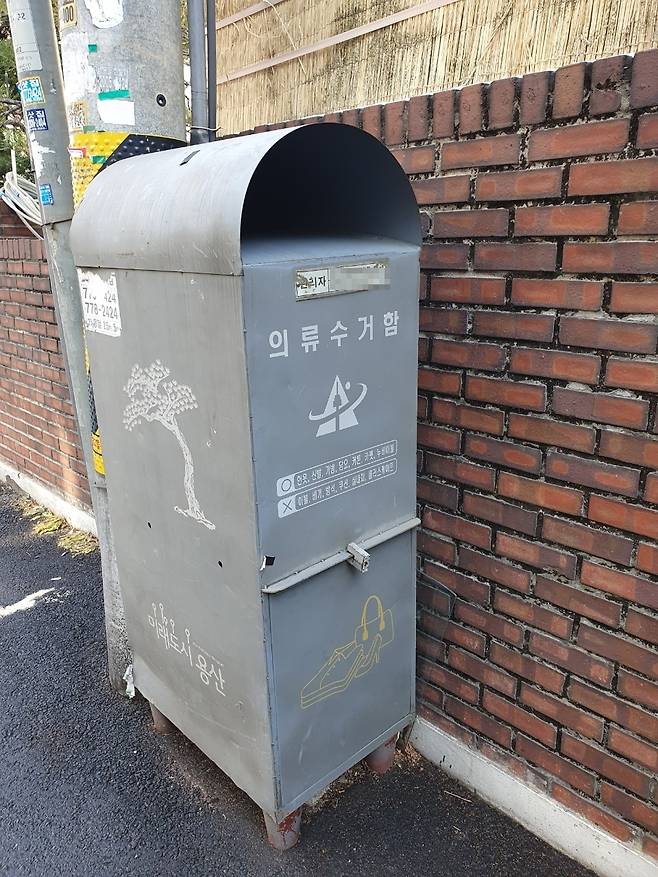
26, 603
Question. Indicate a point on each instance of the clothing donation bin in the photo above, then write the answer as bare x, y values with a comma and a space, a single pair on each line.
251, 308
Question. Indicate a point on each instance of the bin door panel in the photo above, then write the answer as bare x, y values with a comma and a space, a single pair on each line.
343, 663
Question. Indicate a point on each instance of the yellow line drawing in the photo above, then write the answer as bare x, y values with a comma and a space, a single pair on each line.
354, 659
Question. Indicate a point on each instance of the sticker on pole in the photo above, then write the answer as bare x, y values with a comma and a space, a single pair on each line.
68, 15
26, 47
46, 194
31, 90
36, 119
100, 303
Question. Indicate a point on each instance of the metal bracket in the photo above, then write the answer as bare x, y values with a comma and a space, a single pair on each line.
359, 557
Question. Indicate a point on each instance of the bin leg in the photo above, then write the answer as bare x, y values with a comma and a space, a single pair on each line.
285, 834
161, 724
382, 757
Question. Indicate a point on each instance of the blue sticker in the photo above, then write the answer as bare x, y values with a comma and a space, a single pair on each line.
31, 90
36, 119
46, 194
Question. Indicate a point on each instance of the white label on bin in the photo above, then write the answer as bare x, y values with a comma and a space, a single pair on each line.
339, 279
100, 303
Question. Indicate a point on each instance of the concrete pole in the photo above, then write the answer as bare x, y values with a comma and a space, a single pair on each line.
42, 93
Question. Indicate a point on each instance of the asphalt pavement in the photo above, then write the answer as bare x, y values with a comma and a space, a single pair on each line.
87, 788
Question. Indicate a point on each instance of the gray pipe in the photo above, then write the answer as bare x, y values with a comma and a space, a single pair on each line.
211, 25
197, 37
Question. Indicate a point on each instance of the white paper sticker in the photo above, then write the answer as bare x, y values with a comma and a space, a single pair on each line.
100, 303
339, 279
105, 13
117, 111
24, 38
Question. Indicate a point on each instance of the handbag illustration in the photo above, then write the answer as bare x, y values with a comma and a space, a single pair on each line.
354, 659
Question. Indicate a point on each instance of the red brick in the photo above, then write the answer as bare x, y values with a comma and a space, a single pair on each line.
539, 493
449, 321
467, 416
478, 721
501, 513
519, 718
593, 473
427, 712
549, 432
621, 584
482, 671
609, 334
471, 108
418, 118
638, 218
430, 648
439, 381
471, 223
583, 295
647, 132
436, 600
520, 185
642, 625
371, 120
443, 115
501, 95
592, 813
507, 393
439, 439
644, 81
613, 257
570, 658
561, 711
535, 554
447, 681
488, 567
578, 601
516, 257
633, 749
534, 615
429, 693
630, 808
619, 649
651, 488
464, 586
468, 354
601, 407
568, 91
632, 374
434, 546
605, 765
591, 138
444, 190
503, 453
416, 159
437, 494
607, 79
624, 516
610, 177
468, 290
630, 448
534, 98
582, 367
497, 324
598, 542
647, 558
481, 152
495, 625
572, 220
457, 528
650, 846
553, 764
460, 471
394, 123
444, 256
640, 690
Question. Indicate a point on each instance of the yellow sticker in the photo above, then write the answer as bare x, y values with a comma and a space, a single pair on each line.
88, 152
69, 13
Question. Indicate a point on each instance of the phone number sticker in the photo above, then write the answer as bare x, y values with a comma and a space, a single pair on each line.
100, 303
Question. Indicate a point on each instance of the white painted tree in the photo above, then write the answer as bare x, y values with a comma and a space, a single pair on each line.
154, 398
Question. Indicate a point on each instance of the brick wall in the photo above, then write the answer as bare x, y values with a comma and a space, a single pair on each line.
10, 225
538, 431
37, 428
537, 426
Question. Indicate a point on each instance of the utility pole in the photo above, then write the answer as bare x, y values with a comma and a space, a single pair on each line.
42, 95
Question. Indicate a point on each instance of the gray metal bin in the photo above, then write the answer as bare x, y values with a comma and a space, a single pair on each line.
251, 308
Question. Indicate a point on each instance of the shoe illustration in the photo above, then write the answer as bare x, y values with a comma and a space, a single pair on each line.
354, 659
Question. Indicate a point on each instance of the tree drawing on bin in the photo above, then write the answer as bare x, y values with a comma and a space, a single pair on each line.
154, 398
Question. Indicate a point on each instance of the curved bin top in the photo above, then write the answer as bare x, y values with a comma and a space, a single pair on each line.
191, 209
